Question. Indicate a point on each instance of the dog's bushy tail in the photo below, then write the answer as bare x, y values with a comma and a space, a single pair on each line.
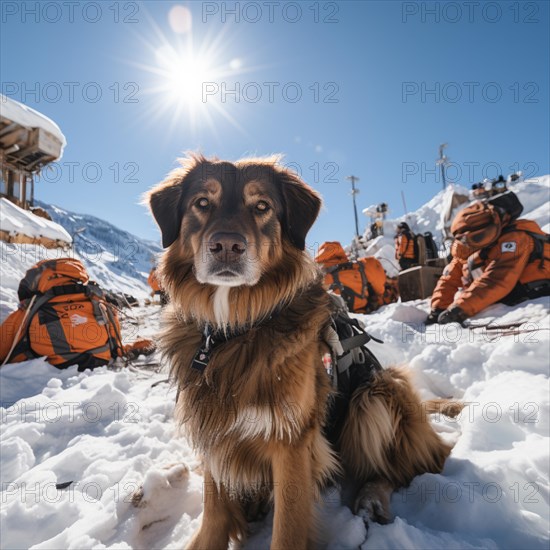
387, 433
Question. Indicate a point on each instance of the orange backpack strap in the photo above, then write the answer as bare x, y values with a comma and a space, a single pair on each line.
23, 347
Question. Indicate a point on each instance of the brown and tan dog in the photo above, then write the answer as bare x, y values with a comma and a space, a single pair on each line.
243, 335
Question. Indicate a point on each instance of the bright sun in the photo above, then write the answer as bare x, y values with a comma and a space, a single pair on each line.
181, 71
184, 76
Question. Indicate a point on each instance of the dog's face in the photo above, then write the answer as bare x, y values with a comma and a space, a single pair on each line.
231, 218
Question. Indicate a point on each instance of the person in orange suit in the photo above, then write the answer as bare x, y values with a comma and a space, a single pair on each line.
512, 268
404, 246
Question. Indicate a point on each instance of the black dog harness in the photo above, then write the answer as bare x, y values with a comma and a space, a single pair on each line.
210, 341
213, 339
355, 364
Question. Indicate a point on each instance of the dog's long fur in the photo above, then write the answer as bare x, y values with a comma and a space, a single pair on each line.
256, 414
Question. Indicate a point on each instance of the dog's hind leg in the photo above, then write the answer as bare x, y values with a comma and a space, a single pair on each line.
387, 439
373, 500
222, 519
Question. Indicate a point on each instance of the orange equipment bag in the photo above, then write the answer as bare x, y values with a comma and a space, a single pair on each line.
153, 280
68, 319
361, 284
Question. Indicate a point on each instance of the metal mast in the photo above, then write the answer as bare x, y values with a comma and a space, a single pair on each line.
354, 191
443, 161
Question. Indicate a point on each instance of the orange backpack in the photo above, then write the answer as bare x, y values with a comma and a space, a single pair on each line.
361, 284
153, 280
68, 319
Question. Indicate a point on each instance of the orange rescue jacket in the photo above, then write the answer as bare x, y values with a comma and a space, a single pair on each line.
404, 246
487, 276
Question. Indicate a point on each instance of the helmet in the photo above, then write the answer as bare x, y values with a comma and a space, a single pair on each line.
477, 226
403, 226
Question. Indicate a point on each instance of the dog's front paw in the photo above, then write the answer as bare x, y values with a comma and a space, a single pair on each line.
373, 503
203, 540
173, 476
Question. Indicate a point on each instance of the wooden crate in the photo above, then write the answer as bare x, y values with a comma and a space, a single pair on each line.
418, 282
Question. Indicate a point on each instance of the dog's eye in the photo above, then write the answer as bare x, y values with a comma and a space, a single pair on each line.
262, 206
203, 203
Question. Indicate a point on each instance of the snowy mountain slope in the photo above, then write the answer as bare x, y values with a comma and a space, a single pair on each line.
113, 256
111, 431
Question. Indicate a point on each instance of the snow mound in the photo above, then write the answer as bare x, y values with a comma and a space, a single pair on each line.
16, 221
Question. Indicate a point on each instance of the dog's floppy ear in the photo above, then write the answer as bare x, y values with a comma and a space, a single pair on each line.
166, 199
166, 207
302, 205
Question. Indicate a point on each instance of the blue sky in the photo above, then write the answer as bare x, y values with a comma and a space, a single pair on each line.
380, 86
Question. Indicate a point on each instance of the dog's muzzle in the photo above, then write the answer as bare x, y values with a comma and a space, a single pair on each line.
226, 260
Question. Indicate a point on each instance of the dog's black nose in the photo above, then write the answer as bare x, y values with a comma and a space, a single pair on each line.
227, 246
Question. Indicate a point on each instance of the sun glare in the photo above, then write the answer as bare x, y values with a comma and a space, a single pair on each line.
184, 76
181, 71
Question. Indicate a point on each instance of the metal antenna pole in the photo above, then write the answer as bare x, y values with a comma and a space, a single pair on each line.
442, 161
354, 192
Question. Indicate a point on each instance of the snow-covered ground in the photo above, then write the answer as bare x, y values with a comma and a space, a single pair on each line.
108, 432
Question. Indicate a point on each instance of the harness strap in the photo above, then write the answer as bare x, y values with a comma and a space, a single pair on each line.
344, 363
62, 290
355, 341
340, 267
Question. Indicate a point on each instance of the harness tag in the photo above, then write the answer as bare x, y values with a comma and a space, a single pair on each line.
201, 359
327, 363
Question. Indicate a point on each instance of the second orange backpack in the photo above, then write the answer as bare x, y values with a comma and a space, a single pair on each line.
67, 318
